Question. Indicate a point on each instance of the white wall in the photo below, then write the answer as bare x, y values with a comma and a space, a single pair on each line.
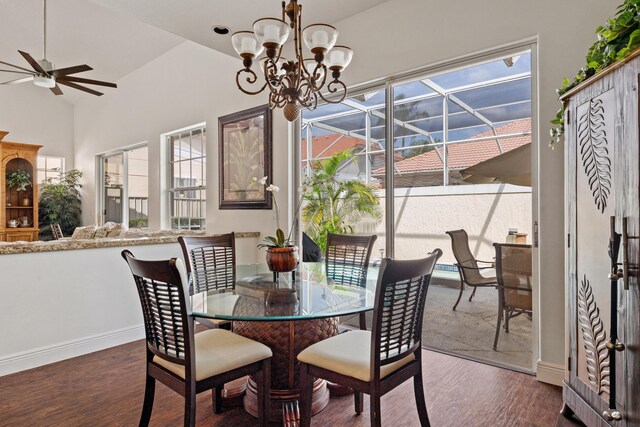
401, 35
421, 222
34, 115
190, 84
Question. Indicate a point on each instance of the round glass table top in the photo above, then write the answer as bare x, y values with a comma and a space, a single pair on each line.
307, 294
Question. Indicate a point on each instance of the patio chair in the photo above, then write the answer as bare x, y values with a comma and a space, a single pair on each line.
514, 271
470, 272
56, 231
211, 265
347, 261
186, 362
376, 362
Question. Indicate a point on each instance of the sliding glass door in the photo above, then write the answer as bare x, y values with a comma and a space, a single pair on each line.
442, 151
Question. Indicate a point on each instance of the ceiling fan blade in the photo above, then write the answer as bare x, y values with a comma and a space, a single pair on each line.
56, 90
86, 81
70, 70
17, 72
33, 62
82, 88
16, 81
15, 66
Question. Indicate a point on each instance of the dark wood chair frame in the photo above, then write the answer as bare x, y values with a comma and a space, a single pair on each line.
347, 261
211, 257
56, 231
168, 328
505, 311
397, 332
467, 271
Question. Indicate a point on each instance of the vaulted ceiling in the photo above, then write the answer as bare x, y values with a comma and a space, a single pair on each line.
115, 37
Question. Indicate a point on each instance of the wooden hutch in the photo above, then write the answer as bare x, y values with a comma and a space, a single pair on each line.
14, 205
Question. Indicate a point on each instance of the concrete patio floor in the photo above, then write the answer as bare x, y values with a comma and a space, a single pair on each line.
469, 331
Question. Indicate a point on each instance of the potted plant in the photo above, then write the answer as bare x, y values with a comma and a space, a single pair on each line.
20, 180
282, 256
60, 202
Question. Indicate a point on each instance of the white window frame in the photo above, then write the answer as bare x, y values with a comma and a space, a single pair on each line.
100, 191
168, 172
48, 171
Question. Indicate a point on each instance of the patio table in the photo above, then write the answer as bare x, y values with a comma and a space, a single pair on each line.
288, 315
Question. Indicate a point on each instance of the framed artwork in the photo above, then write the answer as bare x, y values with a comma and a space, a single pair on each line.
245, 150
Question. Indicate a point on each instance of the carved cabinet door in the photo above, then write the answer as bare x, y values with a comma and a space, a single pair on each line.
602, 189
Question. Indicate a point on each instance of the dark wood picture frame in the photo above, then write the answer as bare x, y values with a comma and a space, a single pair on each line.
245, 152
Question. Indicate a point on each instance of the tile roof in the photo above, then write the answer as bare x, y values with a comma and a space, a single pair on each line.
467, 154
321, 146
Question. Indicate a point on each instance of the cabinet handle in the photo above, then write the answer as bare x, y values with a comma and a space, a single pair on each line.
626, 265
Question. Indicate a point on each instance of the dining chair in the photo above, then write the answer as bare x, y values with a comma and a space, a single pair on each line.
514, 269
347, 261
211, 265
470, 272
56, 231
190, 363
375, 362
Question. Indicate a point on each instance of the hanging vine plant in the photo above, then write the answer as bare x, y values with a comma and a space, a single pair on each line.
616, 40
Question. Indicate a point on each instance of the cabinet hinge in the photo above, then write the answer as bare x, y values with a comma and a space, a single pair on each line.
568, 240
569, 364
568, 117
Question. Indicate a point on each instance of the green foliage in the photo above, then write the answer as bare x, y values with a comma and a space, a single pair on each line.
616, 40
333, 205
277, 241
19, 179
60, 202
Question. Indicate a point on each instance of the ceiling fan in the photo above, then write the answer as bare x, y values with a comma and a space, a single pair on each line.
45, 75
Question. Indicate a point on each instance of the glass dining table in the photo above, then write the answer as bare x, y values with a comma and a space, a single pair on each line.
287, 314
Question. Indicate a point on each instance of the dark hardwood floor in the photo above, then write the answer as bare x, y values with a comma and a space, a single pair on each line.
106, 389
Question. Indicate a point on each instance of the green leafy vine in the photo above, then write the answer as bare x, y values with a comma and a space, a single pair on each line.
616, 40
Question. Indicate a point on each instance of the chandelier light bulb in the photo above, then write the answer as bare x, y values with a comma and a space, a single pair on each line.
320, 37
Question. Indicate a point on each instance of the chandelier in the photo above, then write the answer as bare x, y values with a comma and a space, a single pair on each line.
298, 83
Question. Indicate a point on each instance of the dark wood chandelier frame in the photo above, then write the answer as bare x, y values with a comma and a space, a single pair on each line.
294, 84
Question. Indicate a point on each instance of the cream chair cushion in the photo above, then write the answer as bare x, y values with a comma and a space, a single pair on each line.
348, 354
219, 351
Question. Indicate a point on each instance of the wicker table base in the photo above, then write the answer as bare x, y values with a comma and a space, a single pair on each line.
286, 340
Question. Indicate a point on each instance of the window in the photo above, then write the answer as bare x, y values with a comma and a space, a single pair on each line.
49, 167
187, 187
125, 187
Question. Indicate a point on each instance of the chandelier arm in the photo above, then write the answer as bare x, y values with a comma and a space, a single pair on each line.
269, 70
252, 78
332, 89
319, 87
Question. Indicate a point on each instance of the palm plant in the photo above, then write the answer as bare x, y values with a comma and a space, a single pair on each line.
333, 205
60, 202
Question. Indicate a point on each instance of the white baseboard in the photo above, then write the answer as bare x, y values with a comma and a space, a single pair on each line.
17, 362
550, 373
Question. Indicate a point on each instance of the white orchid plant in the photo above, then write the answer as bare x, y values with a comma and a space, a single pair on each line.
280, 240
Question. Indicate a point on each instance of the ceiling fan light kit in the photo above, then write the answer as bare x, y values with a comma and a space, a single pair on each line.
298, 83
44, 81
44, 74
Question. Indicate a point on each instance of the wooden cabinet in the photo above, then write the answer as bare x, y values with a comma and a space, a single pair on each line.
18, 210
602, 380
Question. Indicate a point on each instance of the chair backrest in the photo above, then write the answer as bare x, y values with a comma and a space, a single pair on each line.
56, 231
210, 260
464, 257
514, 269
347, 258
399, 307
161, 288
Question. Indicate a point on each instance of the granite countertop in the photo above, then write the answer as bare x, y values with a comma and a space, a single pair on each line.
109, 242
